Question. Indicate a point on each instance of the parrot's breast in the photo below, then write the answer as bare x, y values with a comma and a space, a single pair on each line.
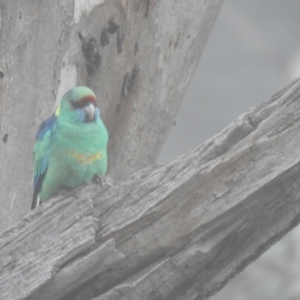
86, 159
77, 153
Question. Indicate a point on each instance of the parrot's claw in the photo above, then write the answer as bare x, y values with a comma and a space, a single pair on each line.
106, 180
97, 179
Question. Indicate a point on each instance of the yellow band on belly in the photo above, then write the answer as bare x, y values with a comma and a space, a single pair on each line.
86, 159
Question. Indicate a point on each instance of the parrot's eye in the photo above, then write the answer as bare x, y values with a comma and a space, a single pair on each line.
82, 103
86, 101
79, 104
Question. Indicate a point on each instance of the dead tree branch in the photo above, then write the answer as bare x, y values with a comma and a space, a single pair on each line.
174, 231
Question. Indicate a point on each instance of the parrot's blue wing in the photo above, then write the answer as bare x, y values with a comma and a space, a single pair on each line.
41, 156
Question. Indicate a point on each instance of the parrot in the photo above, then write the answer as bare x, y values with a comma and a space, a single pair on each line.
71, 146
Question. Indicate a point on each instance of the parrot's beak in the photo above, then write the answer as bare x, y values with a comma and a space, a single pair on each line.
90, 111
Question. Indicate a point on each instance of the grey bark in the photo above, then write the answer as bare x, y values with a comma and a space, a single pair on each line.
176, 231
138, 57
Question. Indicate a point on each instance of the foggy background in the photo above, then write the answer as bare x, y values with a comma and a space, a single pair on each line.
252, 52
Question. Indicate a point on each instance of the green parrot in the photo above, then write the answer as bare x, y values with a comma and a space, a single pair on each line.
71, 146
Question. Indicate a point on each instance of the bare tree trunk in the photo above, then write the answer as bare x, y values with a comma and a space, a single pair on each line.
138, 57
174, 231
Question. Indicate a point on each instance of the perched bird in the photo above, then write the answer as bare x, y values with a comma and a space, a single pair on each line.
71, 146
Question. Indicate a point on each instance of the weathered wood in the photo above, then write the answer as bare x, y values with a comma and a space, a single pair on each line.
174, 231
138, 56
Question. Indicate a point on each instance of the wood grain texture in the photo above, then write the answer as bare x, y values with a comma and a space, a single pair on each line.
176, 231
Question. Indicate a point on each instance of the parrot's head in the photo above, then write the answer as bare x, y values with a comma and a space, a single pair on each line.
78, 105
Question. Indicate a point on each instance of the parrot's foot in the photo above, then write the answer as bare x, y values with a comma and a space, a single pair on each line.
97, 179
106, 180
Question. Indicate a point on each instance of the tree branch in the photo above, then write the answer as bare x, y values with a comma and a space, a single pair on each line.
174, 231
